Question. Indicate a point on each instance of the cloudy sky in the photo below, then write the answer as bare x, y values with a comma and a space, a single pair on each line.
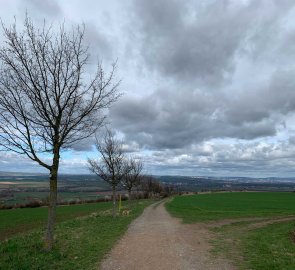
209, 86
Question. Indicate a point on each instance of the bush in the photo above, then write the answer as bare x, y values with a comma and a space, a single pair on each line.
33, 204
4, 206
44, 202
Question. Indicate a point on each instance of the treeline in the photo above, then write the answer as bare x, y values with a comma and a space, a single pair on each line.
147, 187
34, 203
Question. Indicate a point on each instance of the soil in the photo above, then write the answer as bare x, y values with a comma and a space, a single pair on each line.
157, 241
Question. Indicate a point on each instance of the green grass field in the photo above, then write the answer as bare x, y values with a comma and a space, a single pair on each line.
82, 237
25, 197
268, 247
24, 219
214, 206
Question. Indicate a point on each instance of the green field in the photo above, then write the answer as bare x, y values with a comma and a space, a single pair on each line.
25, 197
84, 234
24, 219
248, 243
214, 206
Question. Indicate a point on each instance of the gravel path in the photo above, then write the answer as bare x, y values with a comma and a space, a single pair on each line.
157, 241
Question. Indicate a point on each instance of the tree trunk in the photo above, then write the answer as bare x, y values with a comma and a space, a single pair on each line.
129, 194
49, 235
114, 201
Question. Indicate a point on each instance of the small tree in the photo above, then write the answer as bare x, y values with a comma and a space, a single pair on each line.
132, 177
111, 167
47, 100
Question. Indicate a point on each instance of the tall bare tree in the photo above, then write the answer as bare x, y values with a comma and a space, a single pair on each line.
48, 101
131, 178
111, 167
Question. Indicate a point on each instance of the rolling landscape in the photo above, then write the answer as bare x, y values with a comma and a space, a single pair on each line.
147, 135
248, 230
240, 217
21, 188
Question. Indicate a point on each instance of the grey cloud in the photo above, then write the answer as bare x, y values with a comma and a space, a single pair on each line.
269, 34
292, 140
49, 8
84, 145
261, 103
204, 41
202, 47
99, 43
280, 93
131, 147
252, 158
180, 119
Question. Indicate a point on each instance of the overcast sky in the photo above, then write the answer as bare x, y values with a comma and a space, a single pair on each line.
209, 86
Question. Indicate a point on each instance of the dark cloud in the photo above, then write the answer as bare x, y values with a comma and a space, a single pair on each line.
200, 40
180, 119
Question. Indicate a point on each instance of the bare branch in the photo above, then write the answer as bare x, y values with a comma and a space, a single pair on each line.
111, 165
131, 178
45, 98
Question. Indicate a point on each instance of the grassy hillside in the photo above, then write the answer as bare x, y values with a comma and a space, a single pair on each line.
83, 236
262, 244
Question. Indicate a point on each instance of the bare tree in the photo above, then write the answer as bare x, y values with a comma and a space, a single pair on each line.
150, 186
48, 102
132, 177
111, 167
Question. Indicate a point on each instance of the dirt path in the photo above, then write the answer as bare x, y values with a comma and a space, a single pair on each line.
158, 241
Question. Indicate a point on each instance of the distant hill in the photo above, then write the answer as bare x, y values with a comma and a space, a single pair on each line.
207, 183
3, 173
181, 183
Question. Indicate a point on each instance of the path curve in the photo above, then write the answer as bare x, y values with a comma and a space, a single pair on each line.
158, 241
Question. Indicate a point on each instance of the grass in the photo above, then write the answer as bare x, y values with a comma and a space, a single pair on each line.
269, 248
258, 248
23, 197
23, 219
81, 242
216, 206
